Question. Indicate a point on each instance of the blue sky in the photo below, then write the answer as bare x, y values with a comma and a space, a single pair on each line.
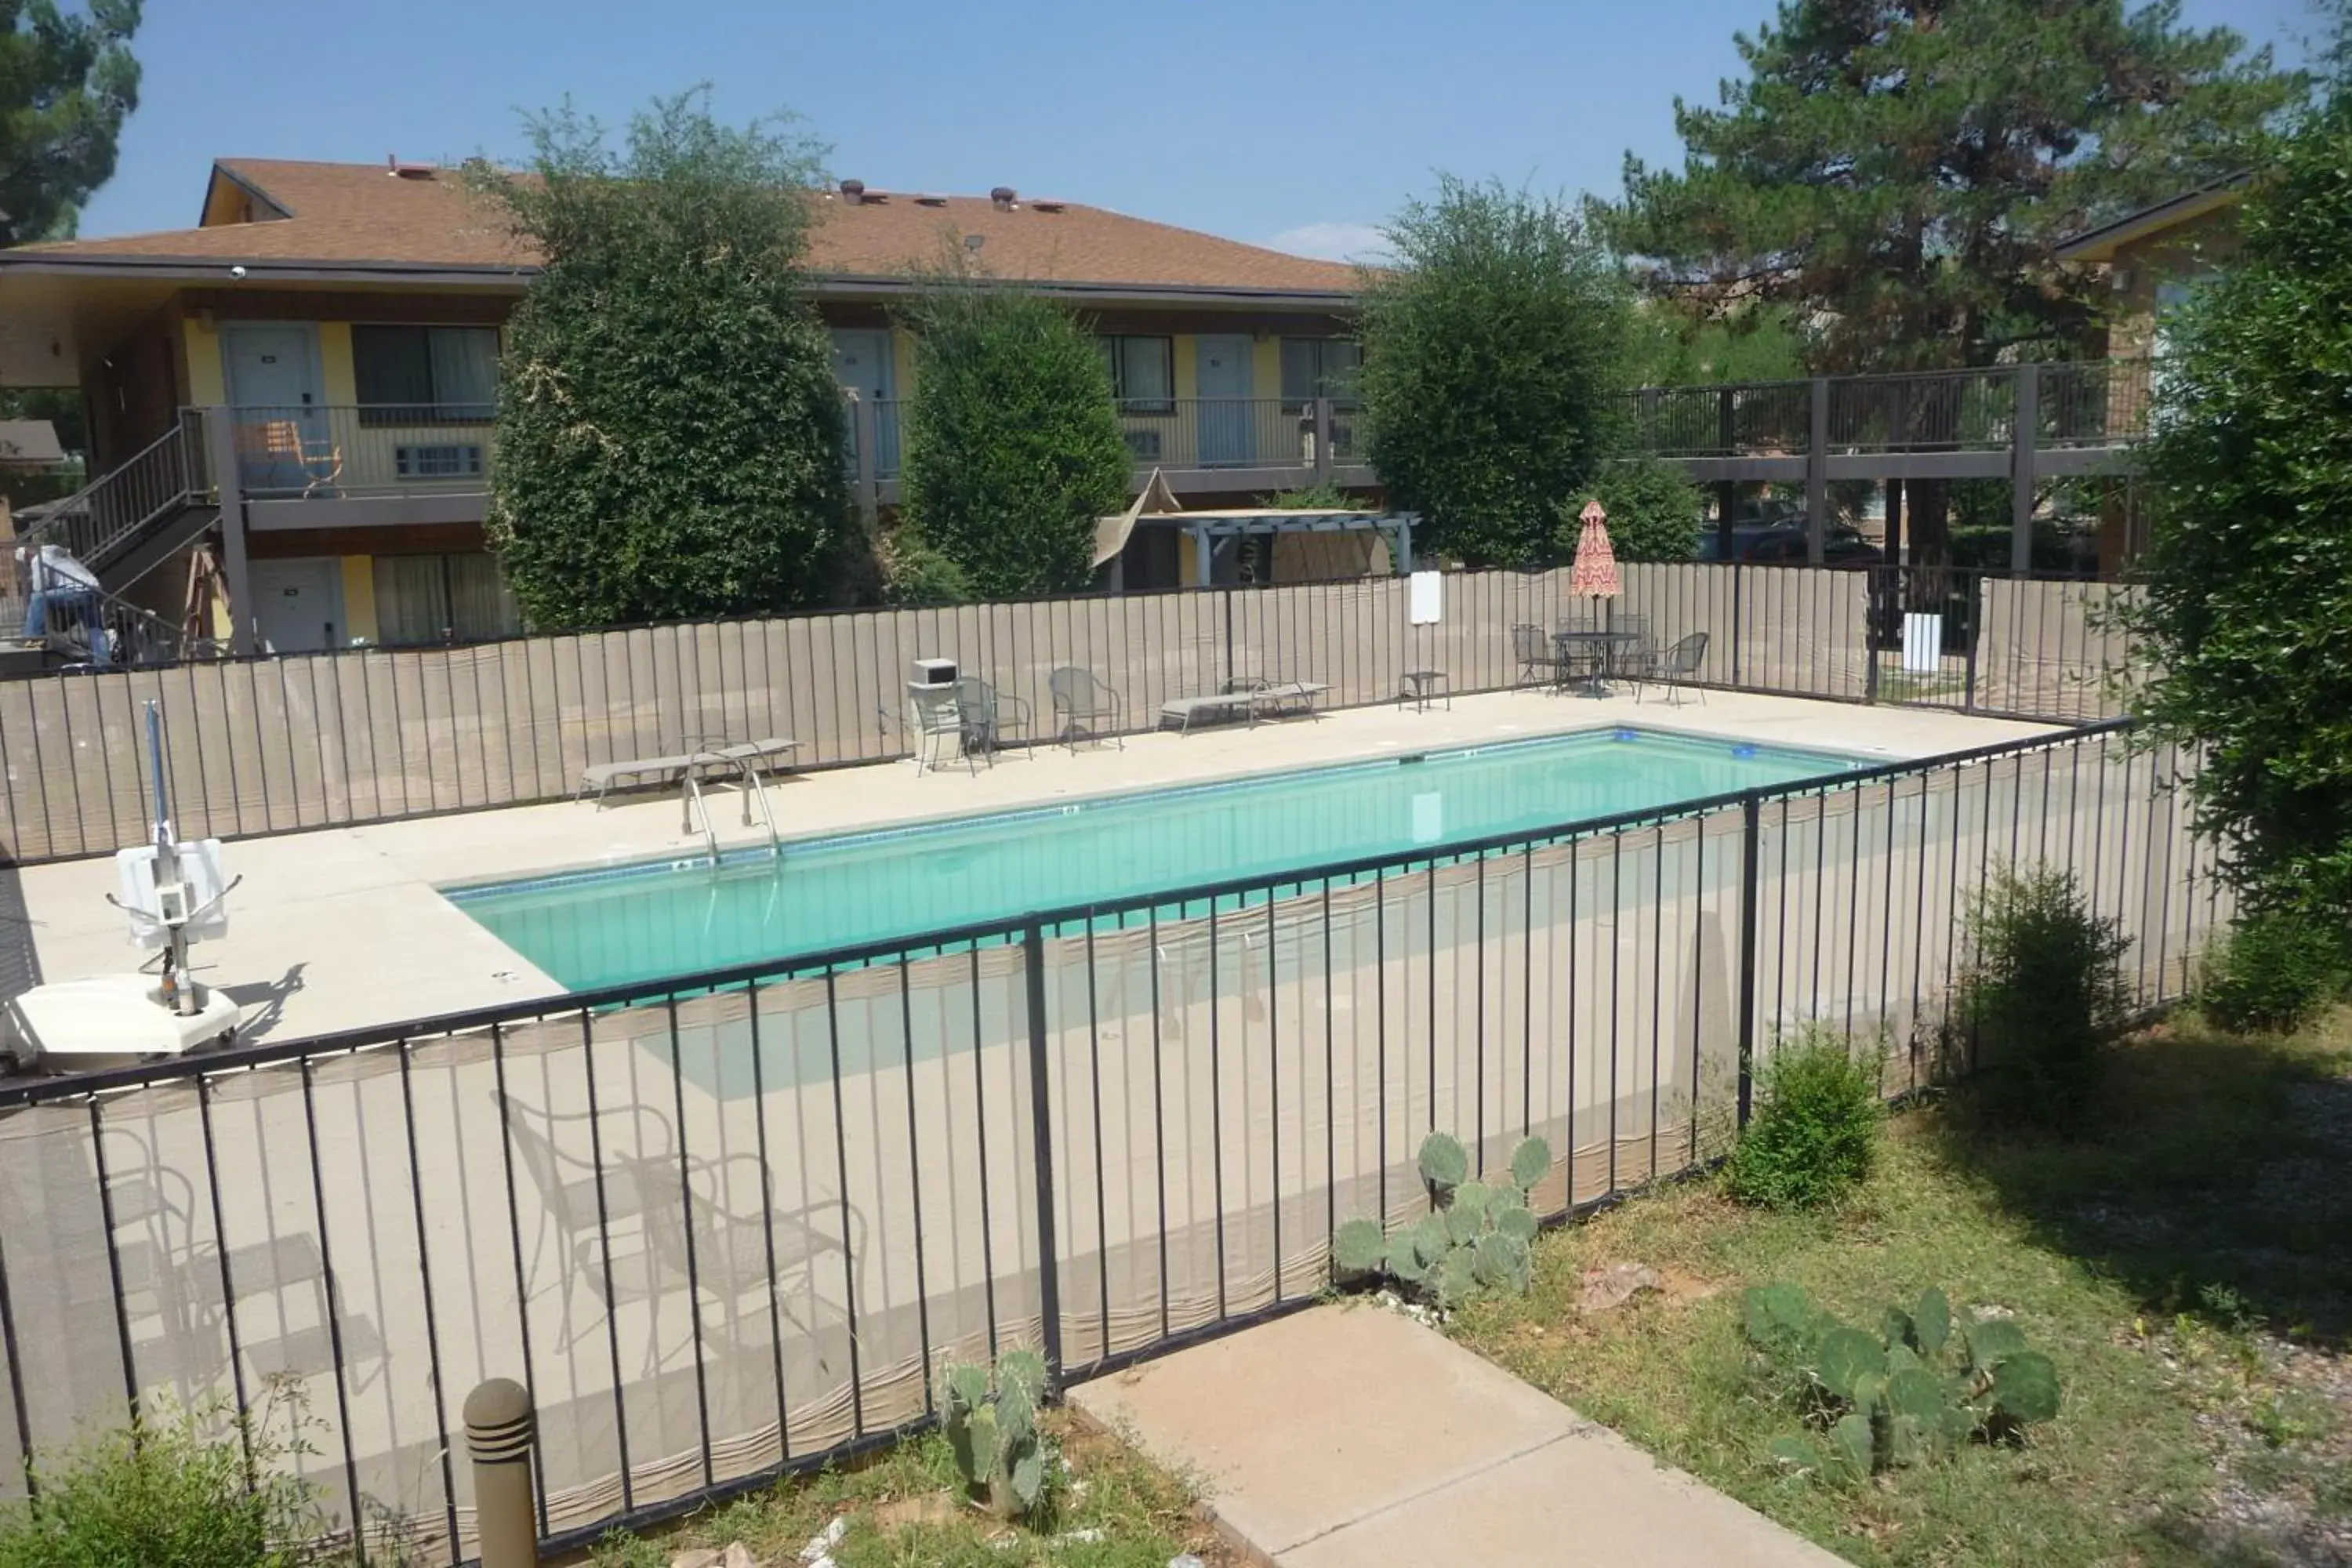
1297, 124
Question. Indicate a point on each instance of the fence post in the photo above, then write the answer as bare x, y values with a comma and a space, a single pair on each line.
2028, 415
1049, 1269
220, 434
1737, 633
1751, 812
1323, 461
1817, 476
498, 1436
1975, 629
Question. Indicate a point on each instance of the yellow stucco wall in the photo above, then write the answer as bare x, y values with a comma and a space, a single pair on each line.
1185, 365
207, 382
359, 596
902, 362
342, 387
1265, 371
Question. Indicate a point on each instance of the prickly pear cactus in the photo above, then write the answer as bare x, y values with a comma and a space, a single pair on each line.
991, 1430
1477, 1236
1909, 1393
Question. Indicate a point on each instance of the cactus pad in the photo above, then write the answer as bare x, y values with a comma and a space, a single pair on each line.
1531, 1162
2025, 1387
1358, 1248
1443, 1165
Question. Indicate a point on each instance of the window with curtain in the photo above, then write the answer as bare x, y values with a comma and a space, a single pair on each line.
1319, 367
1142, 374
442, 598
426, 375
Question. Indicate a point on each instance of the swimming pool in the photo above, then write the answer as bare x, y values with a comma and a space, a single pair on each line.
617, 927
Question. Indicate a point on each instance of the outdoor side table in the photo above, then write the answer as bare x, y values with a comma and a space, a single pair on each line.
1423, 686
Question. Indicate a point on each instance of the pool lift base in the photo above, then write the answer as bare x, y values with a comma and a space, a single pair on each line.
172, 895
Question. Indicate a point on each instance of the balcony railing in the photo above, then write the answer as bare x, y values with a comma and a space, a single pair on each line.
1179, 432
1225, 432
2091, 403
314, 452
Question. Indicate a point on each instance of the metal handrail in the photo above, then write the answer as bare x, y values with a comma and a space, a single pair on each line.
124, 501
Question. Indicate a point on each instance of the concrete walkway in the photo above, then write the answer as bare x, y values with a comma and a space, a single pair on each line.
1346, 1436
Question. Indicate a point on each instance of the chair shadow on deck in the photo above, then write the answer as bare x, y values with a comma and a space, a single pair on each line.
651, 1225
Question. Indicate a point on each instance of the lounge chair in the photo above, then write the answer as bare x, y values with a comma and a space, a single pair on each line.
1081, 704
745, 758
1248, 696
1672, 668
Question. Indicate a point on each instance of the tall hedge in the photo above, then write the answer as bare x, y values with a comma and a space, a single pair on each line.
2248, 576
1493, 350
670, 436
1012, 446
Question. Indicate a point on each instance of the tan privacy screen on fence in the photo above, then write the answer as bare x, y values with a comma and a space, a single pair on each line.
718, 1231
275, 744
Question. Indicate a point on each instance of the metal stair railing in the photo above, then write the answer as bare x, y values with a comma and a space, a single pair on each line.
122, 504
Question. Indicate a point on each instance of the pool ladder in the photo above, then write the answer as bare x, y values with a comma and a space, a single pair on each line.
694, 802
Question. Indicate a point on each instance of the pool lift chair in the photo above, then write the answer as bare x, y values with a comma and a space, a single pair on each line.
172, 894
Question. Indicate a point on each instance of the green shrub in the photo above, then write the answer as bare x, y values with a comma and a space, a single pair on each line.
2273, 971
2042, 995
2247, 582
1654, 512
166, 1493
1906, 1391
1013, 448
669, 438
1478, 1236
1815, 1131
1494, 350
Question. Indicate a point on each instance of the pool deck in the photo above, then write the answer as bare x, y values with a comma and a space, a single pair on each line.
343, 928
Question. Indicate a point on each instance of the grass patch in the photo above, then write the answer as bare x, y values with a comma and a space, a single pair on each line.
2182, 1256
1110, 1508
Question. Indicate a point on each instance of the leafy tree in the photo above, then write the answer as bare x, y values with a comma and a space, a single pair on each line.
2249, 575
66, 83
1676, 348
1655, 511
1899, 170
1013, 442
1493, 351
669, 433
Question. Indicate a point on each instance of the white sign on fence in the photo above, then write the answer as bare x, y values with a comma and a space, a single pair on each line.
1923, 644
1427, 600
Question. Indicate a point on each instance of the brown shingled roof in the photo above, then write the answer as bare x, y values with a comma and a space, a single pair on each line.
361, 213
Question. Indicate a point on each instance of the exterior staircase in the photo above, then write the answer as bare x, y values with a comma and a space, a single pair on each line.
122, 526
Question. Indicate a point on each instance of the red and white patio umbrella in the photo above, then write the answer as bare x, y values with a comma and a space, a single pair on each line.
1594, 576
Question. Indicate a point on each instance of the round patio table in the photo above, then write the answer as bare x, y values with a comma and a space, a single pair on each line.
1596, 652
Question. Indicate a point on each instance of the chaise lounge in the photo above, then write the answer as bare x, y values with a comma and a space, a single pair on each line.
1250, 697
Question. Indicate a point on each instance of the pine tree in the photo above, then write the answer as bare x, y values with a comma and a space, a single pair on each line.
1900, 171
66, 83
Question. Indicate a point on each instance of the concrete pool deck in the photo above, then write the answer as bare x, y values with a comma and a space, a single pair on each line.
341, 927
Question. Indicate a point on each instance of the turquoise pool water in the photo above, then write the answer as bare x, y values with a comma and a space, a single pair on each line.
619, 927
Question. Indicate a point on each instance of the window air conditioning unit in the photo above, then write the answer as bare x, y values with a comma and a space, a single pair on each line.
931, 675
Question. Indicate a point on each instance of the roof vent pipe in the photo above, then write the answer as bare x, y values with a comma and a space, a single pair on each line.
1002, 196
854, 190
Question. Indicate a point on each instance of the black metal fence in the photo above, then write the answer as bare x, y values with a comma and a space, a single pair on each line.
734, 1225
275, 744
